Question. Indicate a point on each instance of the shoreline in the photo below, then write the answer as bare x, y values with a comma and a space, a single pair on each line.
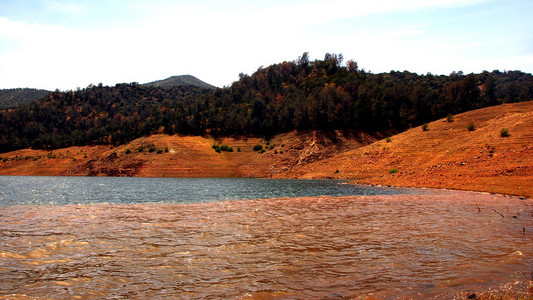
368, 183
452, 189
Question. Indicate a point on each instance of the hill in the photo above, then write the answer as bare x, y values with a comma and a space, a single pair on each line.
10, 98
446, 155
98, 115
180, 81
323, 95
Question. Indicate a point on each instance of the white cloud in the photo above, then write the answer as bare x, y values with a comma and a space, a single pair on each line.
215, 41
35, 52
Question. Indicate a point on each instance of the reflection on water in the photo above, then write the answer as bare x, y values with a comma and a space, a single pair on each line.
300, 248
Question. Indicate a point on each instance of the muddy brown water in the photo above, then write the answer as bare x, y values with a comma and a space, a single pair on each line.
386, 246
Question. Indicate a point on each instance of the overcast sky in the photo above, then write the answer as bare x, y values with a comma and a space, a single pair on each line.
63, 44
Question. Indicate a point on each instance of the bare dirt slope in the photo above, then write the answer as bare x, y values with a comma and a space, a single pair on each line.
446, 155
185, 156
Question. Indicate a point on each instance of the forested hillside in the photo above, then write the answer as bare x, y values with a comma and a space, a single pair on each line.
301, 94
15, 97
326, 94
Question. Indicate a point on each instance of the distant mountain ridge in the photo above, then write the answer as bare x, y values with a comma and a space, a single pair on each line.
179, 81
14, 97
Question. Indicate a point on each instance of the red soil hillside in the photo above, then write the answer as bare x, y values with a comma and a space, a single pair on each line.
184, 156
447, 155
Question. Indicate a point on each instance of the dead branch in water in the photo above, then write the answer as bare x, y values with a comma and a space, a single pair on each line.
498, 213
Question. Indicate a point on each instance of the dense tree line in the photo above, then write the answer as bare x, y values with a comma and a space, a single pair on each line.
326, 94
301, 94
101, 115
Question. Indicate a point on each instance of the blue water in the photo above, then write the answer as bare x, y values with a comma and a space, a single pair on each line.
33, 190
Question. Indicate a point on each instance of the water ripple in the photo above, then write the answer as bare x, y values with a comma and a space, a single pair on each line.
316, 247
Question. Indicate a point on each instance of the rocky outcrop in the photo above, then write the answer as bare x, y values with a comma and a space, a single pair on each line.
111, 165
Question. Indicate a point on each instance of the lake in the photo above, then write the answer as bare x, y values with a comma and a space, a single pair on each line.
21, 190
160, 238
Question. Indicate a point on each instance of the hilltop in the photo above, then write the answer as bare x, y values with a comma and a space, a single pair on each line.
180, 81
10, 98
446, 155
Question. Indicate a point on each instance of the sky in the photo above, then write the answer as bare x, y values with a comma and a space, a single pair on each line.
59, 44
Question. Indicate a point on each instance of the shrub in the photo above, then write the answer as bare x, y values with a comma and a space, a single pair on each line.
128, 151
425, 127
258, 147
504, 132
449, 118
37, 144
159, 151
388, 139
393, 171
261, 151
166, 150
471, 127
224, 148
140, 148
238, 149
151, 149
